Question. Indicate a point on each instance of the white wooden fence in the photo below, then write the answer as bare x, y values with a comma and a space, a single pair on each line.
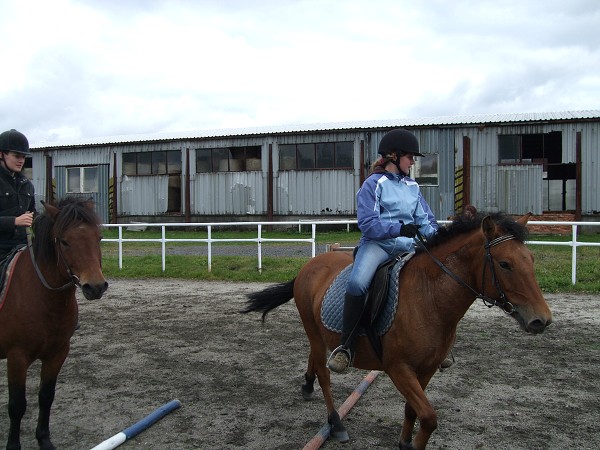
259, 240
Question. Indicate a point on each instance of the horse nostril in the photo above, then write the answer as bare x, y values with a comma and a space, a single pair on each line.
537, 326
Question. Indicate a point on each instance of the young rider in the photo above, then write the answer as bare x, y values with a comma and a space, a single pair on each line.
390, 210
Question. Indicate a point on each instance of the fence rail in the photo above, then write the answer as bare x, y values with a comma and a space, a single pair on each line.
259, 240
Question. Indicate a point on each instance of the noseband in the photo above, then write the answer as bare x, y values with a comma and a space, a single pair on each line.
74, 278
488, 301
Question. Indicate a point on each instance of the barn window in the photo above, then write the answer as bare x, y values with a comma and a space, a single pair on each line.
82, 179
228, 159
425, 170
164, 162
545, 149
530, 148
323, 155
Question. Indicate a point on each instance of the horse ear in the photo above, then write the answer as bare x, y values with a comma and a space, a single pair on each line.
524, 219
488, 226
50, 209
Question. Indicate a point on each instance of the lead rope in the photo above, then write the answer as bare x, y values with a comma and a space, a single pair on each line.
39, 272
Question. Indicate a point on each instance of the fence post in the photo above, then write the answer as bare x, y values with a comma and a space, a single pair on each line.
574, 256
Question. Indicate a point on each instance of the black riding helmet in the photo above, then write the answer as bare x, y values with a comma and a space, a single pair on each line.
400, 142
14, 141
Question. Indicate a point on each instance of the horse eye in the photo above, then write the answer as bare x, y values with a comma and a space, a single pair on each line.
504, 265
64, 243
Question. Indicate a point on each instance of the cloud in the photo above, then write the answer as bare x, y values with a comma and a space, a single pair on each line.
81, 69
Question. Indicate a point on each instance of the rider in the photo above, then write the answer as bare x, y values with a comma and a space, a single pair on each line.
17, 200
390, 210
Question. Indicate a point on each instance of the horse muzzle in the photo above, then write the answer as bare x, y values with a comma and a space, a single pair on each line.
94, 291
535, 325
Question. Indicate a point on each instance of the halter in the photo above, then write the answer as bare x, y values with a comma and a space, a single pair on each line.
74, 278
503, 303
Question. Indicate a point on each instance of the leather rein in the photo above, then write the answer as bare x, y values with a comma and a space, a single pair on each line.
74, 278
503, 302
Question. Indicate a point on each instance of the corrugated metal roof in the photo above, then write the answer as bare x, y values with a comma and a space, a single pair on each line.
354, 125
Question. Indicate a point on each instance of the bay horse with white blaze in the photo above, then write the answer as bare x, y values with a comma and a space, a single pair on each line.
38, 314
476, 256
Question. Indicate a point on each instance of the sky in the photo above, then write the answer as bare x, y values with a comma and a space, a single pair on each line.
72, 70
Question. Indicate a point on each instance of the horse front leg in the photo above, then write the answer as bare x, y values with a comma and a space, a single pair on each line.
48, 377
17, 400
408, 426
417, 406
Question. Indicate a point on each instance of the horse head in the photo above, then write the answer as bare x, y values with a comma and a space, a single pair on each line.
74, 230
509, 273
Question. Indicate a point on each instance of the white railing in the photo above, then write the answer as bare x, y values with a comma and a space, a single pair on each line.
259, 240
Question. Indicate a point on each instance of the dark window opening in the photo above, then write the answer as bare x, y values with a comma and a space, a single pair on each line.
152, 163
228, 159
323, 155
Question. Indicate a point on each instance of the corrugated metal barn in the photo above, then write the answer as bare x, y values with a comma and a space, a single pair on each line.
545, 162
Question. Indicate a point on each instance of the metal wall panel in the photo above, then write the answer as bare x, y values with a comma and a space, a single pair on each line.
484, 188
590, 168
144, 195
228, 193
520, 188
81, 156
316, 192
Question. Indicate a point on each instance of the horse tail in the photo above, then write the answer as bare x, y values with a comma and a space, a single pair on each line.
269, 298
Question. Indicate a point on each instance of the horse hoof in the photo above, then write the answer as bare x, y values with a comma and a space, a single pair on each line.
308, 395
340, 436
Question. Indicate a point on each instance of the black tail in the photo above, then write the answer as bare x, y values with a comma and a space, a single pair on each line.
269, 298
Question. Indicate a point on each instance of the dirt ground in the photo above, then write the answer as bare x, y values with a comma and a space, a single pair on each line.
151, 341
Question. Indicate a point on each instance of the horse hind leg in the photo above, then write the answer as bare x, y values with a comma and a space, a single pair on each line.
317, 369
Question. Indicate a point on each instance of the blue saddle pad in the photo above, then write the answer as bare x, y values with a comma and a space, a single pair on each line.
332, 309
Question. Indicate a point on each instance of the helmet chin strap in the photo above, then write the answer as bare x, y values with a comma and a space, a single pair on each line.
396, 161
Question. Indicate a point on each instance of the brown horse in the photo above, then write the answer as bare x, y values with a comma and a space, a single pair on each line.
39, 313
474, 257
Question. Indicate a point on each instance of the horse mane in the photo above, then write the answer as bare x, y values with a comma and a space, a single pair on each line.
466, 223
73, 210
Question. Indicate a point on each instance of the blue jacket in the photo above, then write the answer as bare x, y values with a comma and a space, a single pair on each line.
385, 201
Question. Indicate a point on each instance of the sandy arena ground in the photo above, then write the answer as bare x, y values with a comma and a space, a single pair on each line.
150, 341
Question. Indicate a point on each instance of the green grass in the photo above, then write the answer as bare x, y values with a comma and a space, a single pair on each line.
143, 260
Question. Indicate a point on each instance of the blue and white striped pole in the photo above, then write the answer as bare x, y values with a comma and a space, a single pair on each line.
138, 427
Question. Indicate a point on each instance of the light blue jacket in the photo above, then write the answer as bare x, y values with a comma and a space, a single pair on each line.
384, 202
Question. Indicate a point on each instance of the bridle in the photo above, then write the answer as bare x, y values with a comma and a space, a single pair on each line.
74, 278
503, 303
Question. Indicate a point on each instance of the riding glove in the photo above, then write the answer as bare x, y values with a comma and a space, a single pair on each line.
409, 230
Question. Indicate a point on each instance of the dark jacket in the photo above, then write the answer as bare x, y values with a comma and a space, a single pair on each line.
16, 197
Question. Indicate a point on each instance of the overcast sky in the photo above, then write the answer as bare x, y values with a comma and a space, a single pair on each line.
72, 70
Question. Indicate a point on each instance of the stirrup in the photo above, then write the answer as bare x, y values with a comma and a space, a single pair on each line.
340, 359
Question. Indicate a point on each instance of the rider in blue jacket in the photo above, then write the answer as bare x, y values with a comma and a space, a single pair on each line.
390, 210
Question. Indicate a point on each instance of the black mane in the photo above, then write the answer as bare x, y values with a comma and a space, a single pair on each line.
73, 210
466, 223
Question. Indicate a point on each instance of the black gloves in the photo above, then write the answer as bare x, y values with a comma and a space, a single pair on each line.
409, 230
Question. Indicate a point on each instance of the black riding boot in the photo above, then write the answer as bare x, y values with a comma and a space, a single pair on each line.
341, 358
